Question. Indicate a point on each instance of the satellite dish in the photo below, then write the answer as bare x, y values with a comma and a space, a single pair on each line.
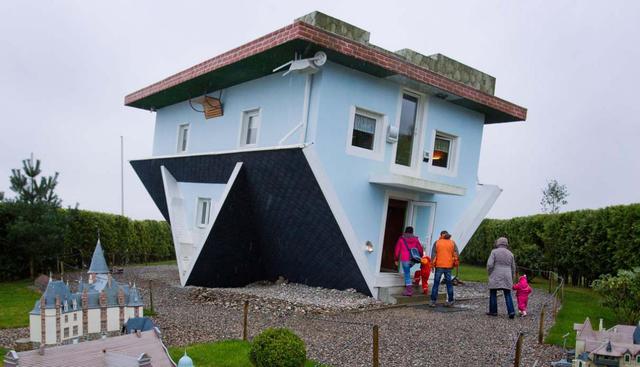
319, 58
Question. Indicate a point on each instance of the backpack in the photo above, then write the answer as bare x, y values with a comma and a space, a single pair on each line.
414, 255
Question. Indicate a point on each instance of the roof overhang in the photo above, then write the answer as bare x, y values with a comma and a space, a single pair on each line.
416, 184
259, 57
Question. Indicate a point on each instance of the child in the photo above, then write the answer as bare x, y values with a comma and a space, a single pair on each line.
523, 290
423, 274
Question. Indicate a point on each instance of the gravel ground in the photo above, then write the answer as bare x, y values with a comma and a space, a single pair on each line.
8, 336
337, 325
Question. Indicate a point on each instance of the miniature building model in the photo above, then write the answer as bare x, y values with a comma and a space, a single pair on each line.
618, 346
328, 147
142, 349
100, 306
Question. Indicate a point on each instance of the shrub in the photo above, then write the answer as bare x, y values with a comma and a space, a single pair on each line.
622, 294
34, 238
579, 245
277, 348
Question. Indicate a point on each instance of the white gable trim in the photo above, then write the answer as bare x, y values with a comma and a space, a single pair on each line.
181, 235
357, 249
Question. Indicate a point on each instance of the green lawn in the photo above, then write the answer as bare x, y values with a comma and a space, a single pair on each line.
578, 304
226, 353
16, 300
3, 351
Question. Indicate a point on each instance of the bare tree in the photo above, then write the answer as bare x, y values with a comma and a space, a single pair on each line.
553, 197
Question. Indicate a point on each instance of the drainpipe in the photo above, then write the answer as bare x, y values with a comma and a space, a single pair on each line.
305, 107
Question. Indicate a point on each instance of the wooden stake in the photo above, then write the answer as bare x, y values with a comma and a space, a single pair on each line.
516, 362
541, 327
376, 347
555, 306
549, 282
244, 320
151, 296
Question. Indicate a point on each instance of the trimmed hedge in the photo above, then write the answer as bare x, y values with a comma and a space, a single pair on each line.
34, 238
578, 245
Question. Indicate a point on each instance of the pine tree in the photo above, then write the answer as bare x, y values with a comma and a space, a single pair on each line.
24, 182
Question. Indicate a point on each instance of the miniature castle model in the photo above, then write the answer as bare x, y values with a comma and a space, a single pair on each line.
100, 306
306, 152
618, 346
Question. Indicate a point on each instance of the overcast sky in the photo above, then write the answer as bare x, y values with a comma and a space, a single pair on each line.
65, 67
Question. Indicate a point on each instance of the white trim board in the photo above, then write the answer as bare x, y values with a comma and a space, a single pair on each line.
416, 184
171, 194
357, 249
221, 152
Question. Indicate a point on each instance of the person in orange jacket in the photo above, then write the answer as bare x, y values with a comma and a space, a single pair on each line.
423, 274
444, 257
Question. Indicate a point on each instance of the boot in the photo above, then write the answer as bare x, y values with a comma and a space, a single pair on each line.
408, 291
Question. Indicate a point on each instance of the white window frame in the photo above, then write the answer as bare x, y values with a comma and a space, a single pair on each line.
378, 140
244, 124
418, 143
180, 138
198, 217
454, 154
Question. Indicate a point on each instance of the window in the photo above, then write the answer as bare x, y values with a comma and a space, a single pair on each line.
441, 149
74, 303
250, 127
444, 153
66, 318
638, 359
204, 209
75, 330
183, 138
75, 317
627, 358
364, 131
365, 134
407, 129
65, 306
66, 332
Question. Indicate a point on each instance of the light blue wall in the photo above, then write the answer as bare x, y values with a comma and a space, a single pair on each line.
337, 89
279, 99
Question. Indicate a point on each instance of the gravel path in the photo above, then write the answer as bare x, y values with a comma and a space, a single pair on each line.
337, 325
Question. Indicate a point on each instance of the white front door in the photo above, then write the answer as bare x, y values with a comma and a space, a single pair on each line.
422, 214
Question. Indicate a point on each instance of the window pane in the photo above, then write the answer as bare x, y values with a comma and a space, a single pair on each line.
183, 137
364, 124
364, 129
251, 136
203, 212
407, 127
362, 140
440, 157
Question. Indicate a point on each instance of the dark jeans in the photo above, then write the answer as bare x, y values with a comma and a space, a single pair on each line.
493, 301
436, 284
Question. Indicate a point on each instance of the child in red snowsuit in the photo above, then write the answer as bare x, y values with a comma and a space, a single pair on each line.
423, 274
523, 290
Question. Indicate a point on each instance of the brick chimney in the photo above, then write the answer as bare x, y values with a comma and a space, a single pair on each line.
103, 312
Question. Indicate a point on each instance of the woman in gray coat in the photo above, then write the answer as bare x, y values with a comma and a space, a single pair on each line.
502, 270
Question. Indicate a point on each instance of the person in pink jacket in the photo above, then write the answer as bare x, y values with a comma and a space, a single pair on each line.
523, 290
402, 253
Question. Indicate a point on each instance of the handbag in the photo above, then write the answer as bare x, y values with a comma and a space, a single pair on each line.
414, 255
